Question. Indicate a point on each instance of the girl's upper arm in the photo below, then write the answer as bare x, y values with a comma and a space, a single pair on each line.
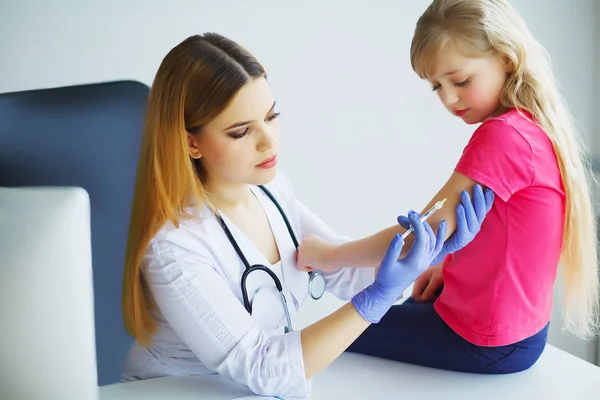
450, 191
498, 156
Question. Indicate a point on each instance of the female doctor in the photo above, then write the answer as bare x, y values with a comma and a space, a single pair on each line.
211, 283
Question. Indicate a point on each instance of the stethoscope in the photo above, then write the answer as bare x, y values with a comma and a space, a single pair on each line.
316, 281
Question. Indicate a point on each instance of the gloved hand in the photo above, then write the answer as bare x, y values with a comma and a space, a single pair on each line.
394, 276
469, 218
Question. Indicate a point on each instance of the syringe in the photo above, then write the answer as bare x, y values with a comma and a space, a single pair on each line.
424, 217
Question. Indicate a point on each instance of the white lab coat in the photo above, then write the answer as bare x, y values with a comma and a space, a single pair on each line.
194, 275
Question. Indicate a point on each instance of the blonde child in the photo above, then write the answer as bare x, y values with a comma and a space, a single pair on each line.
493, 312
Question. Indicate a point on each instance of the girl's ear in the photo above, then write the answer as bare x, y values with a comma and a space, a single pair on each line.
509, 67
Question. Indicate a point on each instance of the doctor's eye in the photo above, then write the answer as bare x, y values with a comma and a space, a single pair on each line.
236, 135
272, 117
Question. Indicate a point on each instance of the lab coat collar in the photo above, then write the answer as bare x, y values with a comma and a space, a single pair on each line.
295, 280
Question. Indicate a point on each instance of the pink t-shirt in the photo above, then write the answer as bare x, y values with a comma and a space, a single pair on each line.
498, 289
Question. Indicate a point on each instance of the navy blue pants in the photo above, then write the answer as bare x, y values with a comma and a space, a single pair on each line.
414, 333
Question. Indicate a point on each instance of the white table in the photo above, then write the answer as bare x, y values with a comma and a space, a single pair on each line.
557, 375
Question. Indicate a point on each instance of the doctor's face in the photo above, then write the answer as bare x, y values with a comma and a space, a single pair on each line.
241, 144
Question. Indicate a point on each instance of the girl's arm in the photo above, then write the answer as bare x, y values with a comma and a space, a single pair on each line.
343, 283
369, 251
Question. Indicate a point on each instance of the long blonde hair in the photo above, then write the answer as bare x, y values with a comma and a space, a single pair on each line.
196, 80
491, 27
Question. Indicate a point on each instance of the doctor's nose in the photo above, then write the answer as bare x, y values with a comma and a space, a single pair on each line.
266, 138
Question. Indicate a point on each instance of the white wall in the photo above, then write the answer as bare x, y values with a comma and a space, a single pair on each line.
363, 138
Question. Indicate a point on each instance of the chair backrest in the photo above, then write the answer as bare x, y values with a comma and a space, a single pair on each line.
87, 136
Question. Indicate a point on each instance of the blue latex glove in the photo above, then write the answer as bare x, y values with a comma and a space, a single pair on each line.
469, 218
394, 276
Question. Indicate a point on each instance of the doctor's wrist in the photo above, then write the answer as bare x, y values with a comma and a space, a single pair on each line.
439, 258
372, 303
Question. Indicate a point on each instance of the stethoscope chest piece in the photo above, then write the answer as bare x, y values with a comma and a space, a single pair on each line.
316, 285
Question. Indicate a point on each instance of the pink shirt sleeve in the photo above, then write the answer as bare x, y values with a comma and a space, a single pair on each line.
498, 157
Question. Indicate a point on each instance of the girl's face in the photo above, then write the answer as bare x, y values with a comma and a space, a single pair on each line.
241, 144
470, 87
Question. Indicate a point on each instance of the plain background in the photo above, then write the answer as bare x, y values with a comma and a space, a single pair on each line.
363, 138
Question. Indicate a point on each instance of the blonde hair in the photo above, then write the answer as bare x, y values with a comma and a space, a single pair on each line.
492, 27
195, 82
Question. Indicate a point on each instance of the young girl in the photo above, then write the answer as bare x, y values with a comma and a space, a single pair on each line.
211, 283
493, 312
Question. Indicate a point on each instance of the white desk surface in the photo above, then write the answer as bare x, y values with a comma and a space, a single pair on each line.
557, 375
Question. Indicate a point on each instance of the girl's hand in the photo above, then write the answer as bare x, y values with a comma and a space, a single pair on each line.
427, 284
313, 253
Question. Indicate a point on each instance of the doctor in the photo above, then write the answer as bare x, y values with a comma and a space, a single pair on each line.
210, 282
